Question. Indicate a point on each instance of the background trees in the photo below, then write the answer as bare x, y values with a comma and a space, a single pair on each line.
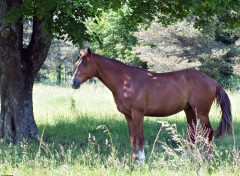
181, 43
59, 64
175, 47
111, 36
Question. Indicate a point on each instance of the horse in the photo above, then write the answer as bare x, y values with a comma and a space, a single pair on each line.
139, 92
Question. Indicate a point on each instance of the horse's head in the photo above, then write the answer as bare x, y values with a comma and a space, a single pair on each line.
85, 69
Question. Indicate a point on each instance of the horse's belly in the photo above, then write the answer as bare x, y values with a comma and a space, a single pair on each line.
161, 113
165, 109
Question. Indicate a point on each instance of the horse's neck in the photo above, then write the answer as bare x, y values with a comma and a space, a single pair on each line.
109, 73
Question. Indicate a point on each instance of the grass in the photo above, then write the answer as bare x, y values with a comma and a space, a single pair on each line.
83, 134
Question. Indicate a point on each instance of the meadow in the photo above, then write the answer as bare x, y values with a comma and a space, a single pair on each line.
82, 133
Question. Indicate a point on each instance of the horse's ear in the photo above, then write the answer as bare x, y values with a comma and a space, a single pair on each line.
89, 52
76, 64
81, 52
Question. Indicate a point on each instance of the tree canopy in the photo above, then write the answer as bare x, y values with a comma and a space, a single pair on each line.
66, 18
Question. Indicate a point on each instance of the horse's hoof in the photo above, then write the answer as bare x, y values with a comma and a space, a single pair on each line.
135, 156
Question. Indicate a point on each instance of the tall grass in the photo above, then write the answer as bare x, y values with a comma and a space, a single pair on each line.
82, 133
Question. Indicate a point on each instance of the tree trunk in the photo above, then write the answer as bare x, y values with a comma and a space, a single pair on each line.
17, 120
59, 73
0, 97
65, 73
18, 68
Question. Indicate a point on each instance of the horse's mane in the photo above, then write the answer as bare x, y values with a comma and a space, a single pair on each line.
117, 62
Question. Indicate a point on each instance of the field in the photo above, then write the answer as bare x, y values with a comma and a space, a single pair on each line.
82, 133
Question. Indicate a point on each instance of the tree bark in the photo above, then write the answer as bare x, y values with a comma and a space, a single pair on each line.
17, 120
18, 67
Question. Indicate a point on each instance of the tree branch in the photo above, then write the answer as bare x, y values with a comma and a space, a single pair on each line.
37, 50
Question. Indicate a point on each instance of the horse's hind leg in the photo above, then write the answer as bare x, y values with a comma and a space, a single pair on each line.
207, 128
191, 121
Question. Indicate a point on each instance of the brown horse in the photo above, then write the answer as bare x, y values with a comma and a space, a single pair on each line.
138, 93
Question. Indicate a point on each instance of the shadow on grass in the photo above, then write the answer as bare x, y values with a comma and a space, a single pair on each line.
79, 140
83, 131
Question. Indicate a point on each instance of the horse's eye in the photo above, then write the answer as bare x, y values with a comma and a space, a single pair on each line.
85, 64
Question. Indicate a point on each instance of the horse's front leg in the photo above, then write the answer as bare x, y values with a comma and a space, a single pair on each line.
132, 136
135, 125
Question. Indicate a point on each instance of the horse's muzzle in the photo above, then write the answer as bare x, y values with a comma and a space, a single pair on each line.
76, 82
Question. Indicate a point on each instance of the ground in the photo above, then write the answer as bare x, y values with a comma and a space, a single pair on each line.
82, 133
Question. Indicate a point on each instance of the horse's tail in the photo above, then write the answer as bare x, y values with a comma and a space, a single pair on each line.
226, 120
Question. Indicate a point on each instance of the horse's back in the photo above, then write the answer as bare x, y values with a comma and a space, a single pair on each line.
198, 81
169, 93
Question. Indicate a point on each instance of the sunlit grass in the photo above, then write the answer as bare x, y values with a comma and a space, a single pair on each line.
73, 144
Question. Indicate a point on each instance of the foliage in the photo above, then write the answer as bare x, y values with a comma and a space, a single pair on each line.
180, 46
110, 31
221, 31
226, 36
219, 67
66, 18
112, 36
